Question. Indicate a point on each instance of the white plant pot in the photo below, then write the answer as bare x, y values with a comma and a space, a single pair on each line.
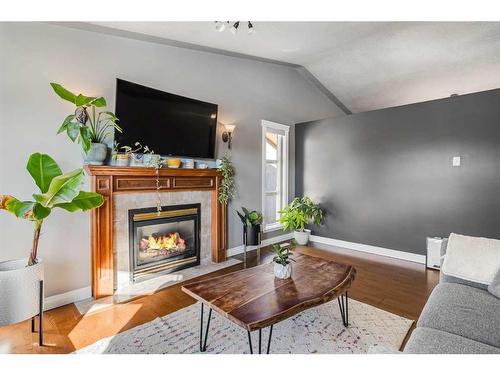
282, 272
302, 238
19, 290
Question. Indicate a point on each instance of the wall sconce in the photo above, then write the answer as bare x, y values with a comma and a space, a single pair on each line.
227, 135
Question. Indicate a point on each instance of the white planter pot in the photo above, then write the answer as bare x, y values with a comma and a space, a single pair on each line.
19, 290
282, 272
97, 154
302, 238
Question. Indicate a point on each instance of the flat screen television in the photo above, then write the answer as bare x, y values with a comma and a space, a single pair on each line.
167, 123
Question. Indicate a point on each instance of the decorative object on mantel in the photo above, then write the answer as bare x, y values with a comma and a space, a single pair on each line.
299, 213
227, 135
282, 265
87, 127
252, 235
22, 280
188, 163
227, 189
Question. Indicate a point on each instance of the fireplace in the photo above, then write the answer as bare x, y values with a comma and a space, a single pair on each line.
163, 242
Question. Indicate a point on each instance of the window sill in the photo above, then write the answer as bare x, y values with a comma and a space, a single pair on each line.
272, 227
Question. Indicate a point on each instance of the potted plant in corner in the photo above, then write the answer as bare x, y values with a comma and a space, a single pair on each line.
87, 127
251, 226
282, 259
299, 213
21, 290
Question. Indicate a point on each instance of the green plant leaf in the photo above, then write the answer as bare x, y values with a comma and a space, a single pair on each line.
63, 93
73, 130
19, 208
43, 169
69, 119
40, 212
85, 138
98, 102
83, 201
62, 189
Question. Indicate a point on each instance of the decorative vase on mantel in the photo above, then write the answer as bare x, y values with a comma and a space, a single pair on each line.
97, 154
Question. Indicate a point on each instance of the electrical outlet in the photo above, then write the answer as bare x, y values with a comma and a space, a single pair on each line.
457, 162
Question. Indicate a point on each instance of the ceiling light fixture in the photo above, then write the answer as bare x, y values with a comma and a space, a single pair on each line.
220, 26
234, 29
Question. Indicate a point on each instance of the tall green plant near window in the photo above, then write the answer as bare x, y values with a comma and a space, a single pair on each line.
299, 213
57, 190
227, 189
86, 126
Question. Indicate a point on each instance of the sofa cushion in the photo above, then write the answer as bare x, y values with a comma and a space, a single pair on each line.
431, 341
494, 287
464, 311
474, 259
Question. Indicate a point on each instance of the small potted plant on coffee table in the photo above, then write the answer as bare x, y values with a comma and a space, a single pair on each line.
282, 260
299, 213
252, 221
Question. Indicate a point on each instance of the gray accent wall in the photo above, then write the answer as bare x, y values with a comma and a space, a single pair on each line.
385, 178
34, 54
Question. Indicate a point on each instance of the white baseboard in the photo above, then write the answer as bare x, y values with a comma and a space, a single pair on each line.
398, 254
268, 241
65, 298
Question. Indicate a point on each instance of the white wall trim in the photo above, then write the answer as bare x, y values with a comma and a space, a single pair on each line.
65, 298
398, 254
268, 241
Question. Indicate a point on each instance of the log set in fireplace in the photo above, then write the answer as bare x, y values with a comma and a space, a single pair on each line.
165, 241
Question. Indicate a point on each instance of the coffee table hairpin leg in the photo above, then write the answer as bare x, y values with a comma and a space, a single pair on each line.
344, 308
260, 340
203, 342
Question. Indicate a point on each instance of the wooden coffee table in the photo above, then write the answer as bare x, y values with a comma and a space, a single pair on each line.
254, 299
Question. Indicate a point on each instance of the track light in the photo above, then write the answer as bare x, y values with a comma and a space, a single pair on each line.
250, 28
220, 26
234, 29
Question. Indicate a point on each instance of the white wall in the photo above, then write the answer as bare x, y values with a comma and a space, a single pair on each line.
34, 54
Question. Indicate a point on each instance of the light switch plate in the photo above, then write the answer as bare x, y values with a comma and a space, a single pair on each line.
457, 161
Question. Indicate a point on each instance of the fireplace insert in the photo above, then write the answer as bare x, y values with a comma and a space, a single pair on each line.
165, 241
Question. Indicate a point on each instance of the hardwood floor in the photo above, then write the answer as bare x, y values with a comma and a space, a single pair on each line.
393, 285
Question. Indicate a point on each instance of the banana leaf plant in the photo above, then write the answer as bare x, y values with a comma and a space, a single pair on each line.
57, 190
85, 126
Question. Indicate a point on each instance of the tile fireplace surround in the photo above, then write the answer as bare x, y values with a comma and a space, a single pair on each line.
124, 202
126, 188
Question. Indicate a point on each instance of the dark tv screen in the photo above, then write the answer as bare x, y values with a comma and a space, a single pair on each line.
167, 123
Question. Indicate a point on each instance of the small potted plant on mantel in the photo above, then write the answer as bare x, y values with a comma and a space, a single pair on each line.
20, 280
252, 221
87, 127
299, 213
282, 260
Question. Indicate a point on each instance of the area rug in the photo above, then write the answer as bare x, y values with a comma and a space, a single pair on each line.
317, 330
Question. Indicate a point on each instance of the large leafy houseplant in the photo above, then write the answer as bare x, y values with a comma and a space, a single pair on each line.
86, 125
56, 190
298, 214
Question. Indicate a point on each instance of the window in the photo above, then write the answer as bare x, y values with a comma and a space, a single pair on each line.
274, 172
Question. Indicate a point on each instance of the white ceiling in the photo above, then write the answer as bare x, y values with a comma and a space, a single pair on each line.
366, 65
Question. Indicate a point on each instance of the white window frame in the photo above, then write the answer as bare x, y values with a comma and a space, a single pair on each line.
284, 166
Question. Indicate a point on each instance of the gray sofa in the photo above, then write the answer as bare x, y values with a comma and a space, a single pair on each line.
460, 317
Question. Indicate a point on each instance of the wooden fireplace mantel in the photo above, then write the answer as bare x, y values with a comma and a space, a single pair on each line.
110, 180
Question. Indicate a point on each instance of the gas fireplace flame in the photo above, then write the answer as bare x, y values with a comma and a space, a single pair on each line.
171, 241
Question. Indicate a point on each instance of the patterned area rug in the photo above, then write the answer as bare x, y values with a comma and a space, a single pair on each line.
317, 330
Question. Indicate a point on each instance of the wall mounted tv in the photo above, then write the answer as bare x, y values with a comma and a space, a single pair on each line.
168, 124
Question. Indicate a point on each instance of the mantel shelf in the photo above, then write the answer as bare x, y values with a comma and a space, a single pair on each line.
113, 170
